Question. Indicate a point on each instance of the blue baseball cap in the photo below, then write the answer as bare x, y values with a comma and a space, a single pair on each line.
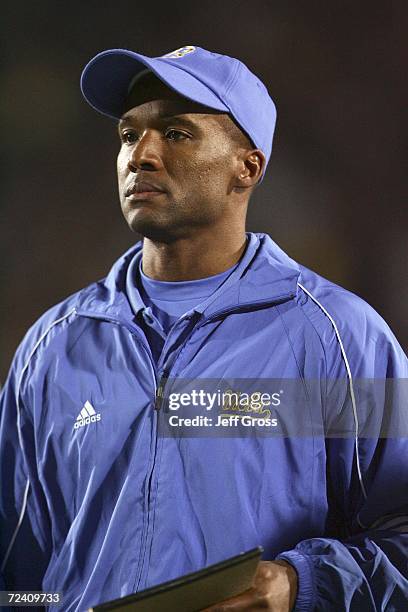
217, 81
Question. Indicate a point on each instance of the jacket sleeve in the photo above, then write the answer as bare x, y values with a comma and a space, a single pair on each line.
361, 563
24, 525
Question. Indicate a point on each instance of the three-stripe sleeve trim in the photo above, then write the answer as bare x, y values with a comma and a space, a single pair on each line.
20, 439
351, 385
20, 520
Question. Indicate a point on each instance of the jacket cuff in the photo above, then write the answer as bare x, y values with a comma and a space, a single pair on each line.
306, 595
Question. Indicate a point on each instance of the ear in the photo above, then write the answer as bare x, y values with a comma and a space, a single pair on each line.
251, 169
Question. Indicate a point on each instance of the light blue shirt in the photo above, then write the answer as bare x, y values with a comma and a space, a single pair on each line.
166, 301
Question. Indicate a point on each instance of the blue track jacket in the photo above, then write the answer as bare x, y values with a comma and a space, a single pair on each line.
111, 507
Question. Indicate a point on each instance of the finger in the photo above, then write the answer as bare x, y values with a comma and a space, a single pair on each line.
246, 601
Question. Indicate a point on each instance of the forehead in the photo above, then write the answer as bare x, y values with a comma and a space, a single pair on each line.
151, 97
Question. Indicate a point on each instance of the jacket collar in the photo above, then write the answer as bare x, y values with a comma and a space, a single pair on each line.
264, 274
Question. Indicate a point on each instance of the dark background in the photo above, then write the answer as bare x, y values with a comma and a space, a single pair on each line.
334, 193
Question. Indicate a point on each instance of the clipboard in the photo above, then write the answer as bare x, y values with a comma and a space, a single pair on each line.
195, 591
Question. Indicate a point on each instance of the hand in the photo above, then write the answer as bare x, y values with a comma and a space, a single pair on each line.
274, 588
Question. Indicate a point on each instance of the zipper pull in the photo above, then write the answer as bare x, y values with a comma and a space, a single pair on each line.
159, 394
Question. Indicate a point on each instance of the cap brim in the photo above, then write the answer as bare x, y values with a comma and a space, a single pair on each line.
105, 81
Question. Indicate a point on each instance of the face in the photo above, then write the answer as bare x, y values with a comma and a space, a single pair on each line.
176, 164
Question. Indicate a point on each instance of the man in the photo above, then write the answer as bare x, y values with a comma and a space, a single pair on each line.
99, 500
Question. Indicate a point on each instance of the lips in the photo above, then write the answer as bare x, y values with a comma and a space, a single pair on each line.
142, 187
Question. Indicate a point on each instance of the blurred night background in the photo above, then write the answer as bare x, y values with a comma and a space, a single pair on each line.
333, 197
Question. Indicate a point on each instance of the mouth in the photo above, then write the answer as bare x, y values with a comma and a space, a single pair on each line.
142, 190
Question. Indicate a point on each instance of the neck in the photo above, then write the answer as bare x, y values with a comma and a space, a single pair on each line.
197, 256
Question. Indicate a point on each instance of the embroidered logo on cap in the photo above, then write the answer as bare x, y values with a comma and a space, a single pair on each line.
180, 52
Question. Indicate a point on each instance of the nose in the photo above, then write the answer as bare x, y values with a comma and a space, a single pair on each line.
145, 153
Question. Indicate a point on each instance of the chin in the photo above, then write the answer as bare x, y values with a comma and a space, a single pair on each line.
154, 231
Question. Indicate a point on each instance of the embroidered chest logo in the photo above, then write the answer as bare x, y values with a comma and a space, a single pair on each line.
87, 416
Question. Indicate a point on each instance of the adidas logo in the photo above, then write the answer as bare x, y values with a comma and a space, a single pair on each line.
87, 415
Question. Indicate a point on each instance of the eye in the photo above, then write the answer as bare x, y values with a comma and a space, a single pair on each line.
175, 135
128, 137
